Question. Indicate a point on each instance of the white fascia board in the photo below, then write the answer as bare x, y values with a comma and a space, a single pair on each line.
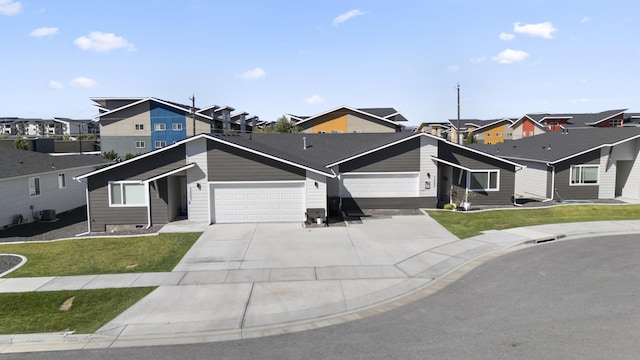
348, 108
607, 118
170, 172
451, 164
595, 148
376, 149
514, 123
187, 111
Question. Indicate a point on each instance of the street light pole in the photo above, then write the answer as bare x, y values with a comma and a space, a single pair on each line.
458, 130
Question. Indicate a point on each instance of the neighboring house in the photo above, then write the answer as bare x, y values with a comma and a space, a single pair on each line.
230, 178
139, 125
345, 119
576, 164
48, 127
539, 123
488, 131
437, 128
31, 182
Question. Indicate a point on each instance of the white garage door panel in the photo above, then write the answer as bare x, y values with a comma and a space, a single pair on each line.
238, 203
379, 185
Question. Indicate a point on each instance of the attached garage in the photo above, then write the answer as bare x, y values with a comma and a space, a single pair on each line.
379, 185
238, 202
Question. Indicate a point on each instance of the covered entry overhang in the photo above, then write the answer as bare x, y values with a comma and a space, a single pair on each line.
173, 191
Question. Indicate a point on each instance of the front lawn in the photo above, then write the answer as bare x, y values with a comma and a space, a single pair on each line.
471, 223
81, 311
91, 256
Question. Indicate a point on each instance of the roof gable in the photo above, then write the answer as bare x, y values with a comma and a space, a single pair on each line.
357, 111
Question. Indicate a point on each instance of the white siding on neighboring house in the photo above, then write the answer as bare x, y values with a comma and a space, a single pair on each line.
532, 180
607, 184
14, 193
428, 167
316, 197
631, 188
197, 197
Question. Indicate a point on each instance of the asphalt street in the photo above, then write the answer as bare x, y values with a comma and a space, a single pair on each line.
568, 299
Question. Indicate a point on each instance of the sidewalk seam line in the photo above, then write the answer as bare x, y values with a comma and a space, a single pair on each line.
246, 306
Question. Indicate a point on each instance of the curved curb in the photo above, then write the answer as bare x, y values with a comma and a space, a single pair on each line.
23, 260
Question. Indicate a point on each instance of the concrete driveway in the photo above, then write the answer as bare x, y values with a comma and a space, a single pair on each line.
380, 241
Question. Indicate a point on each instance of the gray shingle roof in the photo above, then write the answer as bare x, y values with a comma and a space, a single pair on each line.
577, 119
555, 145
15, 162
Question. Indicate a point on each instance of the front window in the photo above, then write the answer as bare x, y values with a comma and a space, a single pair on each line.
139, 127
176, 126
34, 186
160, 144
139, 144
127, 194
160, 127
584, 174
484, 180
615, 123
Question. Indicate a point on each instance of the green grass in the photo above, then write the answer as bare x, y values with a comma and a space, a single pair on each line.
101, 255
37, 312
468, 224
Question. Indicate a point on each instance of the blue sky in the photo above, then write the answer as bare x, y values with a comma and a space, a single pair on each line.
305, 57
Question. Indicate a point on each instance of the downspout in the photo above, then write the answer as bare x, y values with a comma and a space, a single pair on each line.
553, 182
515, 203
146, 185
88, 213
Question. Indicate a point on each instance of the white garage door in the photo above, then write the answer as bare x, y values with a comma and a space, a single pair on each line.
257, 202
377, 185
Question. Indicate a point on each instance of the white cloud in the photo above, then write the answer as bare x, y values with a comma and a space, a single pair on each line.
10, 7
253, 74
453, 68
506, 36
544, 29
102, 42
315, 99
83, 82
44, 31
346, 16
585, 19
54, 85
509, 56
478, 60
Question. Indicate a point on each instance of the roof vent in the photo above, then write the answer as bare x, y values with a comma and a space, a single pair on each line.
304, 143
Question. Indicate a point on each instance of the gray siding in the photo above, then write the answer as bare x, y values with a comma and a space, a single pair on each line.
398, 158
388, 203
159, 201
124, 145
226, 163
100, 212
477, 161
579, 192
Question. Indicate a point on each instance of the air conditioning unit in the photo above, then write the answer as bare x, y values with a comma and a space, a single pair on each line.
47, 215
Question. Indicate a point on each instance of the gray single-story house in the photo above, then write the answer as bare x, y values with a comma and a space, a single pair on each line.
575, 164
230, 178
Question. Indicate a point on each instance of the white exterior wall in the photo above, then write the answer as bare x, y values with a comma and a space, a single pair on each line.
631, 188
14, 193
532, 180
428, 167
197, 198
316, 197
607, 181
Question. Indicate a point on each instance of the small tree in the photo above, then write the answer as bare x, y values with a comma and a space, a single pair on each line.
284, 126
21, 143
111, 155
470, 139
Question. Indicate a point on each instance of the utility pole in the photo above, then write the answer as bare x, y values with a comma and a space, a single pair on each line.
458, 130
193, 112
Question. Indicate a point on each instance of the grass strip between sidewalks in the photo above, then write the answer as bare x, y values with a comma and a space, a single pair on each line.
80, 311
465, 224
92, 256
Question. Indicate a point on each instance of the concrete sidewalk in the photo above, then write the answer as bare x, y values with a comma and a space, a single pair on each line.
248, 280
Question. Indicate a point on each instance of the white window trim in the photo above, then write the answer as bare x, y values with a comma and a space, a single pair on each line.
155, 144
176, 127
139, 127
146, 193
39, 187
160, 127
64, 181
469, 175
140, 142
572, 169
